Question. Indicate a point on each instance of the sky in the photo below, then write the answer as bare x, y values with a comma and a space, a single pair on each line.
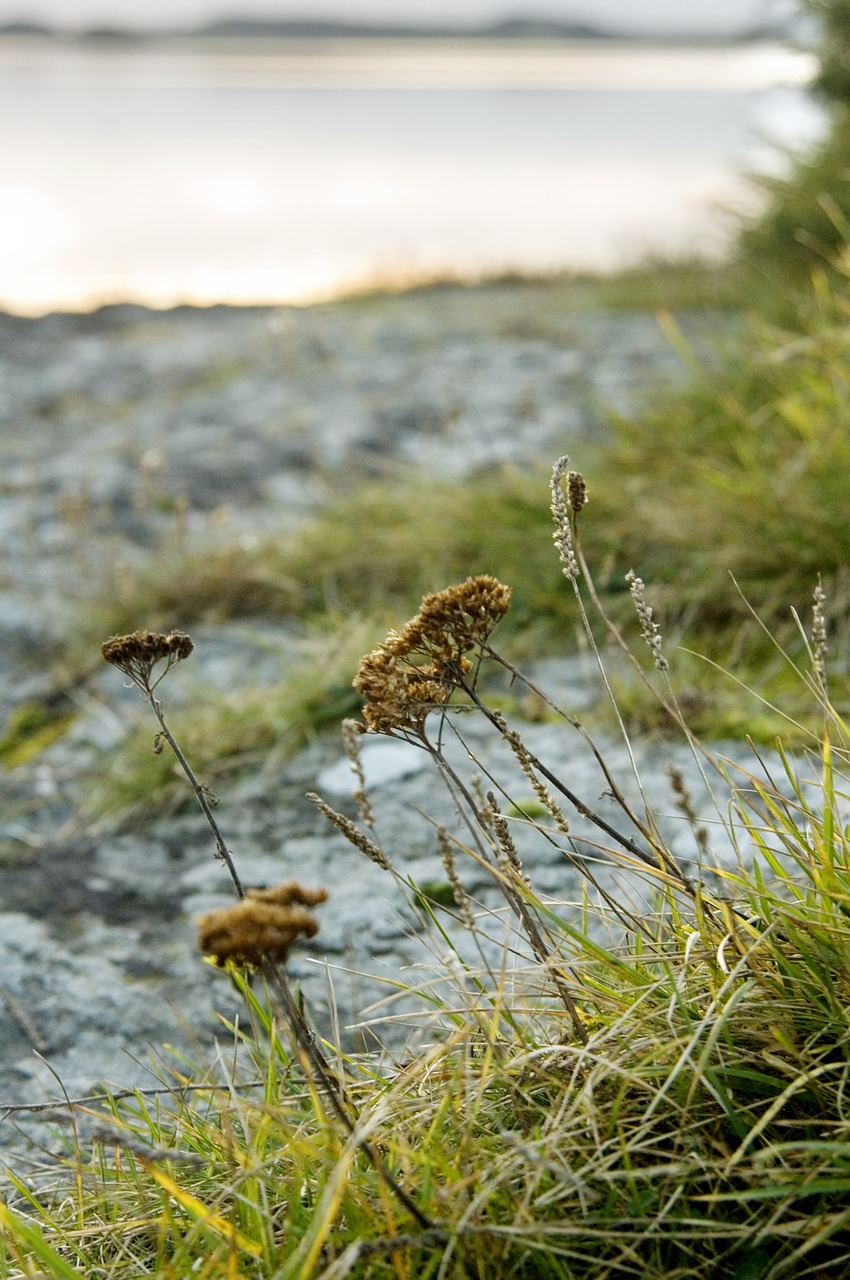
643, 15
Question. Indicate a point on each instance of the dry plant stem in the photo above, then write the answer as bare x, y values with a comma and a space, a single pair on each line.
221, 848
138, 654
566, 513
662, 857
572, 572
334, 1090
165, 1090
543, 953
367, 847
627, 918
668, 704
616, 634
580, 729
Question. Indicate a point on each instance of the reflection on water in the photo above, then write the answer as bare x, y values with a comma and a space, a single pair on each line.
192, 174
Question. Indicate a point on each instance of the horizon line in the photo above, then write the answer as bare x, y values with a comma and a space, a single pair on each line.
504, 29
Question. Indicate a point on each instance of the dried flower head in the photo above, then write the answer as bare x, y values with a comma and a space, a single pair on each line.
138, 653
398, 694
418, 668
576, 491
285, 894
461, 616
262, 926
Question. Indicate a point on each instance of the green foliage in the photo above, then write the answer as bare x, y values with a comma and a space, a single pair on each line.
661, 284
681, 1111
741, 475
438, 893
833, 79
804, 227
373, 551
30, 729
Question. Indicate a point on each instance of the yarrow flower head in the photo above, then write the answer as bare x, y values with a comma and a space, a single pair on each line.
139, 652
419, 667
264, 925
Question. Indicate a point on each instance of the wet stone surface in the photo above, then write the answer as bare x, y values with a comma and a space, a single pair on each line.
112, 428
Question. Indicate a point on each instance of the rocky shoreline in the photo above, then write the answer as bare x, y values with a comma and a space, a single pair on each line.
121, 428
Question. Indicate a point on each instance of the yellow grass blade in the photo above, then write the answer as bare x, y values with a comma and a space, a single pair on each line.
201, 1213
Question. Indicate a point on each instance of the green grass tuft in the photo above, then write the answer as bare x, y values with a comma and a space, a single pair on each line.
31, 728
696, 1128
656, 1089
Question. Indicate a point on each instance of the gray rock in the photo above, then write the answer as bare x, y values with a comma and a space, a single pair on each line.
384, 760
108, 424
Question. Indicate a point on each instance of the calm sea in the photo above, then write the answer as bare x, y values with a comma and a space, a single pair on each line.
286, 173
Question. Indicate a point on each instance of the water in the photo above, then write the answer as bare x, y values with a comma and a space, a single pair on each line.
208, 173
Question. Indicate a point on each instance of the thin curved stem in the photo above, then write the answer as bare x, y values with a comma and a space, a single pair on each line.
661, 857
201, 795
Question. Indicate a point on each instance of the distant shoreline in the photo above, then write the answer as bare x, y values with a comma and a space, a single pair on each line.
257, 31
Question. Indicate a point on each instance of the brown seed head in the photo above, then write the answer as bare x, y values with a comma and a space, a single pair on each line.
262, 926
290, 891
418, 668
138, 653
462, 616
576, 491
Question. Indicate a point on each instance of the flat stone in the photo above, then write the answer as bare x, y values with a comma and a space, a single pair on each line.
384, 760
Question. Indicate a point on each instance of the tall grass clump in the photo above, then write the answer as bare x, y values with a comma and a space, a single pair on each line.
741, 475
804, 228
650, 1079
